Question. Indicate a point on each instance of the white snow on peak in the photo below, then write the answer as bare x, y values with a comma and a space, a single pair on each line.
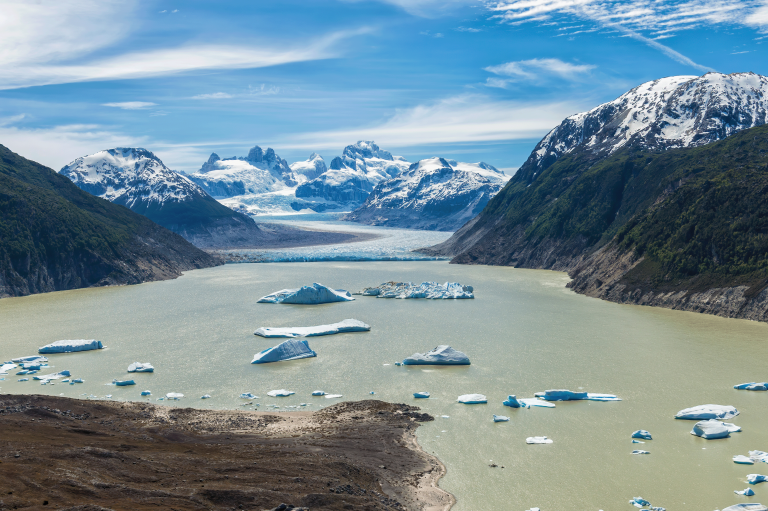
309, 169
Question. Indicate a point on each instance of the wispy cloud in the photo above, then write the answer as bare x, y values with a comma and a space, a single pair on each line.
468, 29
253, 91
131, 105
534, 68
426, 8
213, 95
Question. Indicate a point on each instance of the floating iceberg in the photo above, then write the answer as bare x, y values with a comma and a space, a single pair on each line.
123, 383
348, 325
309, 295
706, 412
752, 386
429, 290
23, 379
146, 393
511, 401
639, 502
138, 367
332, 396
747, 492
712, 429
641, 433
568, 395
33, 366
287, 350
207, 396
7, 367
538, 440
442, 355
31, 359
26, 371
280, 393
746, 506
743, 460
248, 395
174, 395
640, 452
318, 393
421, 395
759, 456
637, 441
756, 478
71, 346
473, 399
52, 376
532, 402
500, 418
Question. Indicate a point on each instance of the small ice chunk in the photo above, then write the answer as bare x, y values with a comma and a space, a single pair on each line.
332, 396
146, 393
398, 363
4, 368
174, 395
638, 451
500, 418
747, 492
756, 478
348, 325
442, 355
280, 393
31, 359
706, 412
207, 396
746, 506
759, 386
52, 376
372, 393
511, 401
318, 393
637, 442
123, 383
23, 379
291, 349
138, 367
76, 380
248, 395
71, 346
308, 295
641, 433
569, 395
445, 416
759, 456
639, 502
743, 460
473, 399
421, 395
712, 429
538, 440
532, 402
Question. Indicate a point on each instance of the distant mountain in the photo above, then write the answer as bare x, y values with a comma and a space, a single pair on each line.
434, 194
350, 178
309, 169
138, 180
54, 236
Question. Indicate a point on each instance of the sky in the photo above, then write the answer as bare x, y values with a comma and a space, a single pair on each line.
468, 80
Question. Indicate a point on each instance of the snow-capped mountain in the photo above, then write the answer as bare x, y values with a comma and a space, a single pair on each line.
139, 180
259, 172
351, 177
433, 194
673, 112
309, 169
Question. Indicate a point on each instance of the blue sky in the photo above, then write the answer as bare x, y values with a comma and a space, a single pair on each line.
469, 80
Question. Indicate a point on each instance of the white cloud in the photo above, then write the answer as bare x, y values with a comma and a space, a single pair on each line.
213, 95
465, 118
468, 29
131, 105
533, 68
758, 18
427, 8
261, 90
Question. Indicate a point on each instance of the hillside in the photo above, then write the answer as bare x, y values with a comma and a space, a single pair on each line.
54, 236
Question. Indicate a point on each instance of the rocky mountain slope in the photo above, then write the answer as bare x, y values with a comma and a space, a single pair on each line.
54, 236
650, 151
433, 194
138, 180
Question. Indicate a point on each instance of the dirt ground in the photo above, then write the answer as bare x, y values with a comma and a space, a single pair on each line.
62, 453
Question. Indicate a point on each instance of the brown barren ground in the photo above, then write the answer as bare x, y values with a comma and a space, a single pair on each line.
62, 453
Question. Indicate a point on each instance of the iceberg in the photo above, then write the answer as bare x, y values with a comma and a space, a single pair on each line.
23, 379
174, 395
428, 290
442, 355
706, 412
752, 386
32, 359
532, 402
26, 371
639, 502
332, 396
421, 395
318, 393
138, 367
280, 393
123, 383
248, 395
538, 440
473, 399
500, 418
759, 456
641, 433
71, 346
568, 395
756, 478
309, 295
637, 441
746, 506
712, 429
52, 376
348, 325
146, 393
207, 396
287, 350
640, 452
743, 460
32, 366
747, 492
7, 367
511, 401
76, 380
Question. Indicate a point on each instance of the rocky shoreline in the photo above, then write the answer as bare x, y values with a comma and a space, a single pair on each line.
96, 455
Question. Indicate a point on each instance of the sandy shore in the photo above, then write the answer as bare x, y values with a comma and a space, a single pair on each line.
64, 453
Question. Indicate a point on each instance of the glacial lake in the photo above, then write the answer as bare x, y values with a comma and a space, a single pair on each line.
524, 332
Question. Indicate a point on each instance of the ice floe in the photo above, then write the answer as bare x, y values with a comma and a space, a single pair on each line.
309, 295
641, 433
637, 441
442, 355
532, 402
6, 367
639, 502
52, 376
473, 399
743, 460
752, 386
71, 346
23, 379
348, 325
123, 383
500, 418
318, 393
538, 440
421, 395
146, 393
568, 395
206, 396
759, 456
248, 395
138, 367
746, 506
747, 492
706, 412
712, 429
428, 290
332, 396
756, 478
280, 393
511, 401
638, 451
174, 395
31, 359
291, 349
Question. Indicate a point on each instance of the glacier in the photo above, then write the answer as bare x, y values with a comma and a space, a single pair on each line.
308, 295
288, 350
71, 346
347, 325
441, 355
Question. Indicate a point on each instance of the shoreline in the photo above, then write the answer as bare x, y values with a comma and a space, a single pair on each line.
132, 455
